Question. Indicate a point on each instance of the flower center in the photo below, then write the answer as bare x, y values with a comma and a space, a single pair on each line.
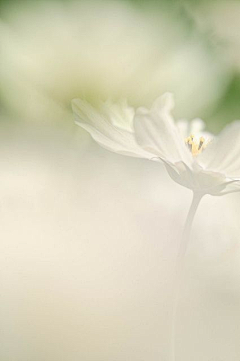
195, 145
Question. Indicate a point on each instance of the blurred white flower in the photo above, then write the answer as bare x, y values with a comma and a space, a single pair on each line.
193, 158
53, 52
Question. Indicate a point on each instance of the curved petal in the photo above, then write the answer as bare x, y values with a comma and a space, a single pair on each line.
223, 154
164, 103
231, 187
156, 132
195, 127
119, 114
180, 173
100, 125
183, 127
202, 181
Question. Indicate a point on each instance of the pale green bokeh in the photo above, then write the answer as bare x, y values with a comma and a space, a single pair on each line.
221, 111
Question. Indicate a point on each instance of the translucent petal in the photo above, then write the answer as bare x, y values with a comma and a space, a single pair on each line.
100, 125
196, 127
164, 103
223, 154
156, 132
180, 173
183, 127
200, 180
119, 114
231, 187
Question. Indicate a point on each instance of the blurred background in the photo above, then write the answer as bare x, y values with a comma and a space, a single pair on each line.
53, 51
89, 238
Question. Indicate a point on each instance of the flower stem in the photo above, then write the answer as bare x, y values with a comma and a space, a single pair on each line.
179, 266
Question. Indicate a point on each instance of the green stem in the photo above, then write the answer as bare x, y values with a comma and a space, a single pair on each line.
179, 266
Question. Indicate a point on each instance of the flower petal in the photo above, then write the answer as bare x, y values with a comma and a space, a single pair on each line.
180, 173
223, 153
196, 128
231, 187
164, 103
120, 114
100, 125
156, 132
200, 180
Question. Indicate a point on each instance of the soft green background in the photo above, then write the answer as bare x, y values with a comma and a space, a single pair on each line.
228, 107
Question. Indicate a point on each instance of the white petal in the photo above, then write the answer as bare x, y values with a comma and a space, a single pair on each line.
200, 180
197, 127
183, 127
120, 114
156, 132
164, 103
210, 182
100, 126
180, 173
223, 154
231, 187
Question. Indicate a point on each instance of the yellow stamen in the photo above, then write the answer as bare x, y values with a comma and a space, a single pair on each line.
195, 146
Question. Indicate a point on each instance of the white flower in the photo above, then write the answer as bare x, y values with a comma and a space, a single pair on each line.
199, 161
